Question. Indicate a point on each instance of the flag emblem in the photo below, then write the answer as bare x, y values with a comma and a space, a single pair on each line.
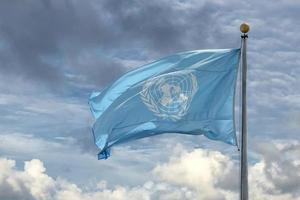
169, 96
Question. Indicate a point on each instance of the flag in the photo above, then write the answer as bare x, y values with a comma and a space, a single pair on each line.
188, 93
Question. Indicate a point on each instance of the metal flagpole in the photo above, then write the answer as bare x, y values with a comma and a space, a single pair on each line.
244, 162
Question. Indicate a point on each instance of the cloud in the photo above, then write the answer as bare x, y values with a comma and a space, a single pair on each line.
197, 174
71, 155
200, 170
281, 165
59, 44
213, 175
32, 183
39, 38
38, 114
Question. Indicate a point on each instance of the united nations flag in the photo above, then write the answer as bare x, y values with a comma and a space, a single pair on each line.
188, 93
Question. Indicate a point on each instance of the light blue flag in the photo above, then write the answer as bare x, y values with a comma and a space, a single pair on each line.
188, 93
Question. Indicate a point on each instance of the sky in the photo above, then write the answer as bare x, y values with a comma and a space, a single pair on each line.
53, 54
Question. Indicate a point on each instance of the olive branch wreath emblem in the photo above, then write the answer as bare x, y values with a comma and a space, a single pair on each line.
148, 100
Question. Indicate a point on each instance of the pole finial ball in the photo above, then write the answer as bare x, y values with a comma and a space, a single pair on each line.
244, 28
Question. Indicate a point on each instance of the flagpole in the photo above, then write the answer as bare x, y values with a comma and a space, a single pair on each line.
244, 161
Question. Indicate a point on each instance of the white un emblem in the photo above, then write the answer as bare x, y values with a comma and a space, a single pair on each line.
169, 96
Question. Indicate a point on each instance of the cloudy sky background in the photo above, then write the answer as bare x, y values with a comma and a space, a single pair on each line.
53, 54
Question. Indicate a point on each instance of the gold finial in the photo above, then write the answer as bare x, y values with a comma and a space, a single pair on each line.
244, 28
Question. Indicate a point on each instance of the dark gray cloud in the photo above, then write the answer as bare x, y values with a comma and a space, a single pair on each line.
38, 35
280, 168
40, 39
43, 41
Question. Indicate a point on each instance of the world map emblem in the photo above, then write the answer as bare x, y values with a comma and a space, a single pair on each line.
169, 96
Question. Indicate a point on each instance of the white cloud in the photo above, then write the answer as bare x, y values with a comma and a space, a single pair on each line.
33, 183
200, 170
198, 174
